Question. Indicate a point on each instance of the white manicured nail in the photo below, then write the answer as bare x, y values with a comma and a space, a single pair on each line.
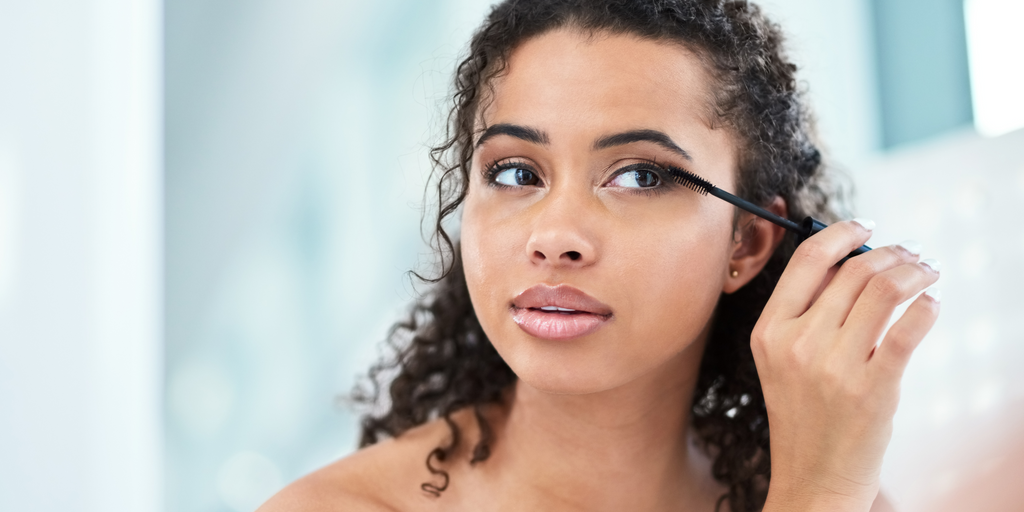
865, 223
935, 293
932, 264
911, 246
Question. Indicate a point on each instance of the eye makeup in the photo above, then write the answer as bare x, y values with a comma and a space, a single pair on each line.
523, 174
647, 172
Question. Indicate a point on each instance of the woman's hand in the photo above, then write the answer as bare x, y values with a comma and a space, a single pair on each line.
830, 392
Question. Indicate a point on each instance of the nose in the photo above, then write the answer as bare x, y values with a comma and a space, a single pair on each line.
563, 237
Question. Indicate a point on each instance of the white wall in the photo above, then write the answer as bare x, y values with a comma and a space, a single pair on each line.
960, 412
80, 255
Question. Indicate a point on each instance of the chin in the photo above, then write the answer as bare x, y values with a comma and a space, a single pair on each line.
578, 366
563, 384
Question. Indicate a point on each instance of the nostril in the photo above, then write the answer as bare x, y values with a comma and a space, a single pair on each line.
573, 255
539, 255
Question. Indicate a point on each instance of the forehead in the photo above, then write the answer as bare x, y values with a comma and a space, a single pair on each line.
602, 81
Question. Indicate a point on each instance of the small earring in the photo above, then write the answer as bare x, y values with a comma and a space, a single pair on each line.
734, 273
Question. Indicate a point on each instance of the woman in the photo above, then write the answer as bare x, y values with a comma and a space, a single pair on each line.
605, 339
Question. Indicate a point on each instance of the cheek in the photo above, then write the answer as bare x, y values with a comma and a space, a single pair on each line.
672, 279
472, 241
488, 250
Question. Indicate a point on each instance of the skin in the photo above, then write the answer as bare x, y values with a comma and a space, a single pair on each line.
595, 422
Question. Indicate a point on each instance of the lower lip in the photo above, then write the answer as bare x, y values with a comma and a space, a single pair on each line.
557, 326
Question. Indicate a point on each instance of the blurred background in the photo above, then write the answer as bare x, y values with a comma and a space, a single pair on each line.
208, 208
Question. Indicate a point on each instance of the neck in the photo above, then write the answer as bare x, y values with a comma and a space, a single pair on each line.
621, 449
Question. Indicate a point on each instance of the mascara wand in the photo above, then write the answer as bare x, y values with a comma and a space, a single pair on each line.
803, 230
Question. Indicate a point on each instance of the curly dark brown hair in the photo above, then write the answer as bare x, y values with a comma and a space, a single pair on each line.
443, 361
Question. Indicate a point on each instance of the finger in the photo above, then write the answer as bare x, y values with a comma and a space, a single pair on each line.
810, 263
882, 294
829, 276
842, 293
892, 356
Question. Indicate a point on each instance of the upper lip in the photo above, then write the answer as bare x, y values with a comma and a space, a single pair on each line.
561, 296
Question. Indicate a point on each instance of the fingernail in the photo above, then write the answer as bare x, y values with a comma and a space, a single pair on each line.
935, 293
865, 223
911, 246
932, 264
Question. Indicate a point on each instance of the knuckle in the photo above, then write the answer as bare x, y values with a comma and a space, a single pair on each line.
833, 374
902, 337
832, 378
798, 355
757, 348
861, 267
900, 347
813, 251
887, 287
896, 335
760, 333
852, 391
760, 339
879, 261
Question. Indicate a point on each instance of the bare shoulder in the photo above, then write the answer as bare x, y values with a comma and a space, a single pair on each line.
356, 482
384, 477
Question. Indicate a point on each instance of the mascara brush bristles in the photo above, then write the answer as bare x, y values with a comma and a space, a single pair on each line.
690, 180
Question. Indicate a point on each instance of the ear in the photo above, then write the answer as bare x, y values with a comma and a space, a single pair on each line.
753, 245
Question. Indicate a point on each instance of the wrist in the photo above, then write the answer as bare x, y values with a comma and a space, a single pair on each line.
807, 497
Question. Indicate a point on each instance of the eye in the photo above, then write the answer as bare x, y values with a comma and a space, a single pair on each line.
513, 175
636, 178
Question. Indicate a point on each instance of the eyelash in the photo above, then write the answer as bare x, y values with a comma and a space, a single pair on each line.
494, 168
657, 169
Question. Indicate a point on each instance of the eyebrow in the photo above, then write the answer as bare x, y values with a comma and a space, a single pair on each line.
513, 130
536, 136
659, 138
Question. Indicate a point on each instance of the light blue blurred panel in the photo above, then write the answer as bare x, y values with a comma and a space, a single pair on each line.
924, 85
831, 44
296, 158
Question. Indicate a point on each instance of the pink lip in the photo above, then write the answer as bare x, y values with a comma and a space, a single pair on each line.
588, 315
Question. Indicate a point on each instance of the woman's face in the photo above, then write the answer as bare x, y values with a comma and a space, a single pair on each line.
565, 210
